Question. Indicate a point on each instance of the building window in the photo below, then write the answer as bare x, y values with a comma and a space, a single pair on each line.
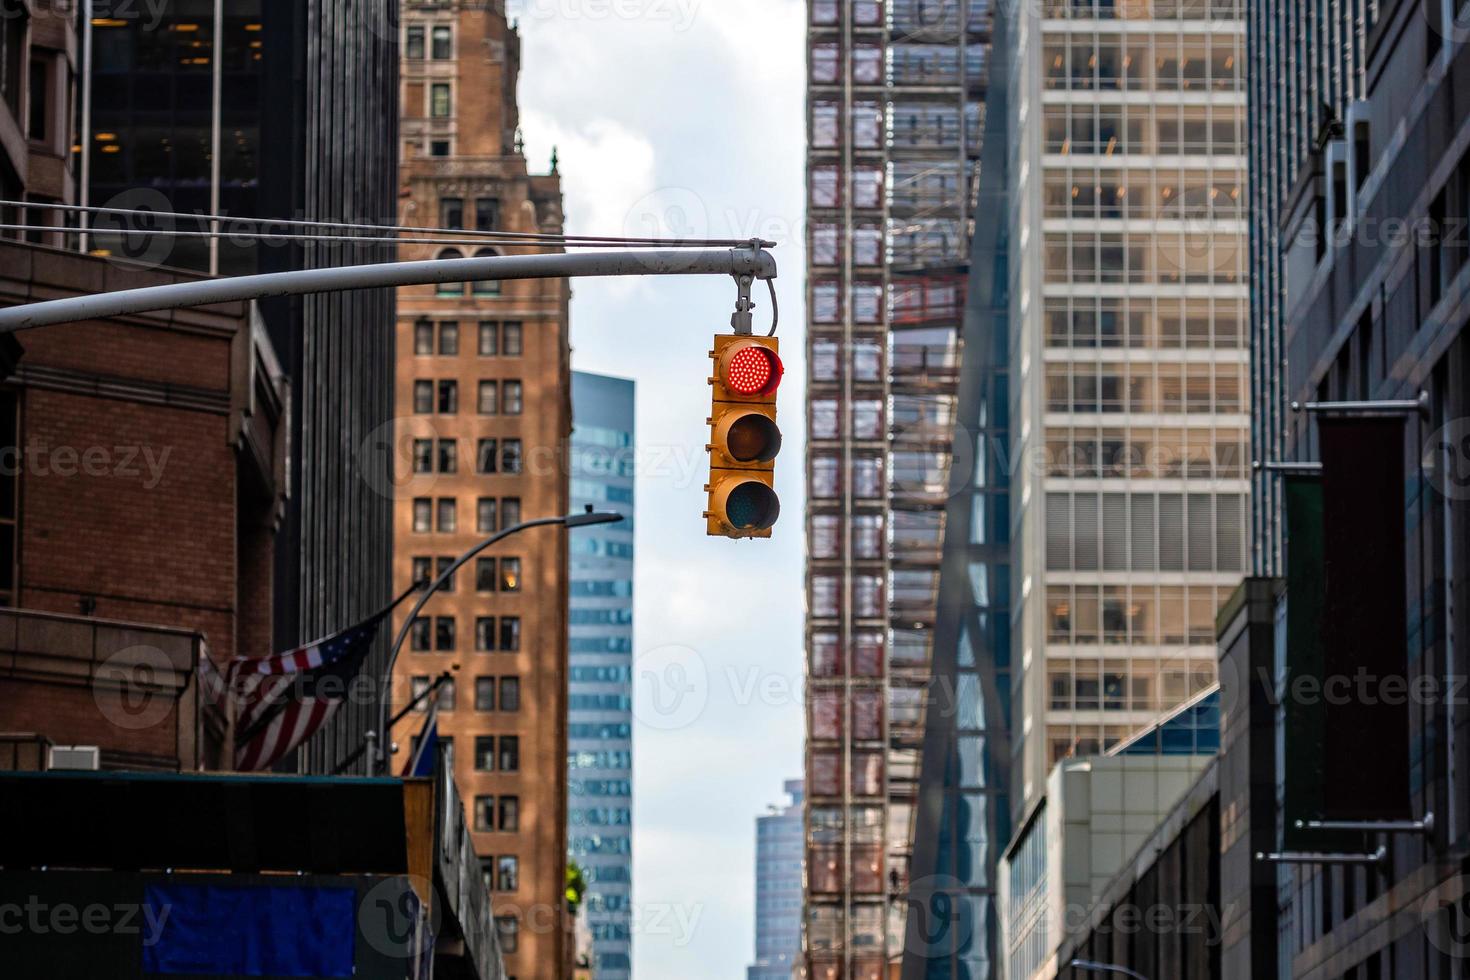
442, 565
510, 633
447, 695
449, 288
484, 753
488, 402
484, 813
510, 512
418, 686
444, 634
484, 694
446, 516
510, 575
506, 874
419, 634
485, 458
443, 46
508, 929
451, 212
486, 287
510, 694
511, 397
448, 456
448, 397
423, 455
485, 515
510, 814
510, 339
449, 338
439, 100
413, 45
485, 634
422, 570
485, 575
423, 512
423, 397
423, 338
489, 338
510, 456
487, 213
439, 148
510, 753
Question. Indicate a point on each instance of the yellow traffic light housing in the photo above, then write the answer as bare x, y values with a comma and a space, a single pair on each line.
744, 437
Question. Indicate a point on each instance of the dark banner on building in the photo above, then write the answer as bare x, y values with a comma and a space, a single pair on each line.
1305, 718
1347, 710
1364, 619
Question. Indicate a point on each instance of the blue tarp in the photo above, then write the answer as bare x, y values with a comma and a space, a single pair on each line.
251, 931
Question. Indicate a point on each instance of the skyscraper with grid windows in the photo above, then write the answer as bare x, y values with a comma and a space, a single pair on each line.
895, 105
1128, 365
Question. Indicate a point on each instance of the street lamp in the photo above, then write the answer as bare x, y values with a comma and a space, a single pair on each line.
584, 519
1093, 967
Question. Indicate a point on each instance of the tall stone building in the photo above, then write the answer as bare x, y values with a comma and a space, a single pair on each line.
484, 412
1128, 367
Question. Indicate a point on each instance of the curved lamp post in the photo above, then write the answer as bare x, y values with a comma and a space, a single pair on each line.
1093, 967
382, 750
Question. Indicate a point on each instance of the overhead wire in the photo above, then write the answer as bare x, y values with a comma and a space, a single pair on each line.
505, 236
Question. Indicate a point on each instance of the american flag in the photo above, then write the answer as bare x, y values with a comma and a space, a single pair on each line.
283, 700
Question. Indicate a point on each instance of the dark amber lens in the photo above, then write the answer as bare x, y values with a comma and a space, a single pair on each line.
753, 438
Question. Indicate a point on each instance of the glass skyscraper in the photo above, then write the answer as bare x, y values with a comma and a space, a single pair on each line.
600, 644
778, 889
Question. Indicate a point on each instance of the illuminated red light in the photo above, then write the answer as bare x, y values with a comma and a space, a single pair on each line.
753, 371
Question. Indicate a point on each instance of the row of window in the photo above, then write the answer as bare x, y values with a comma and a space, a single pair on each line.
1091, 685
495, 338
498, 397
899, 64
826, 187
865, 476
486, 699
1146, 453
606, 759
1170, 532
501, 874
440, 38
438, 634
920, 125
442, 515
491, 574
442, 456
1088, 257
1143, 322
1137, 615
1144, 195
1162, 130
1174, 62
1144, 387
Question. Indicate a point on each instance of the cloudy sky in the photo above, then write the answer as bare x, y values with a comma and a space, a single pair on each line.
685, 116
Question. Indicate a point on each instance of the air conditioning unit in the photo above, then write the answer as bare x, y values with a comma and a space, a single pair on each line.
87, 757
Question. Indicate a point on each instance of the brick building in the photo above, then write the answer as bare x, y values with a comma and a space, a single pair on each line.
143, 475
484, 411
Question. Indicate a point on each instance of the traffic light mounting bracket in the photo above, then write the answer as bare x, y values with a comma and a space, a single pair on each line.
742, 321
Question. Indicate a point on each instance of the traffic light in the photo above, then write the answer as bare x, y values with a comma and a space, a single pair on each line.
744, 439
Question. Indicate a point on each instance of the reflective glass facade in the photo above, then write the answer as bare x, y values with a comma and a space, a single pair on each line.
600, 642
